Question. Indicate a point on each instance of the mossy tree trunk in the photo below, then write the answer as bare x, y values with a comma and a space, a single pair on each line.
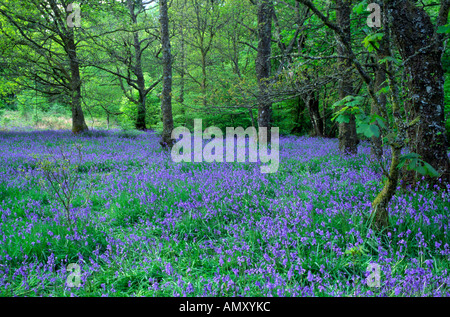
380, 215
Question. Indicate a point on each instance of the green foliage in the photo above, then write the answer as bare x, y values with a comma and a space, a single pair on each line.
58, 109
367, 125
447, 97
417, 164
129, 133
361, 7
444, 29
372, 41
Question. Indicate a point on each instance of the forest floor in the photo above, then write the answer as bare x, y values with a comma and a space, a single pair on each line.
142, 225
10, 120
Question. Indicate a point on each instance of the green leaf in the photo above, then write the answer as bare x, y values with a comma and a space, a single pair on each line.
444, 29
338, 103
410, 156
343, 118
381, 123
420, 169
388, 58
372, 40
413, 164
361, 7
401, 164
383, 90
374, 131
430, 170
362, 128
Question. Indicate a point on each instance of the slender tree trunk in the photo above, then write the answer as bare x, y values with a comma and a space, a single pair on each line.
298, 111
421, 50
166, 95
380, 215
183, 62
204, 79
141, 108
380, 204
265, 8
380, 83
78, 121
252, 120
142, 111
312, 102
348, 140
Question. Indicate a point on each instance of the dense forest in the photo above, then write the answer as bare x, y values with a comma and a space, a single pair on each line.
374, 75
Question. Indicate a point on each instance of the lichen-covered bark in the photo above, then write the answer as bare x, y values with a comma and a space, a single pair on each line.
380, 214
421, 51
263, 64
348, 139
166, 95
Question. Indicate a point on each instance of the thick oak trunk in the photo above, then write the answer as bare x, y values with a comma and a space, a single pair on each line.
78, 121
421, 54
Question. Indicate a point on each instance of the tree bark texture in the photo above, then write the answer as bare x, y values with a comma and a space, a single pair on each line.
263, 65
348, 140
421, 50
166, 95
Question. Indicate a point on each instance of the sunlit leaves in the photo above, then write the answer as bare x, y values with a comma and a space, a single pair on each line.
361, 7
372, 41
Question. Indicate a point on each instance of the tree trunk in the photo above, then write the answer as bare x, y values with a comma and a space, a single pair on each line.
250, 112
78, 121
348, 140
312, 102
166, 95
421, 50
137, 70
380, 83
204, 79
142, 110
380, 216
141, 113
263, 64
183, 63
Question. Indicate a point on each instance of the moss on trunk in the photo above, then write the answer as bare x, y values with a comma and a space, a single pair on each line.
379, 215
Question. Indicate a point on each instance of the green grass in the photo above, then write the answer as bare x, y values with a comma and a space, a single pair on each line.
189, 245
